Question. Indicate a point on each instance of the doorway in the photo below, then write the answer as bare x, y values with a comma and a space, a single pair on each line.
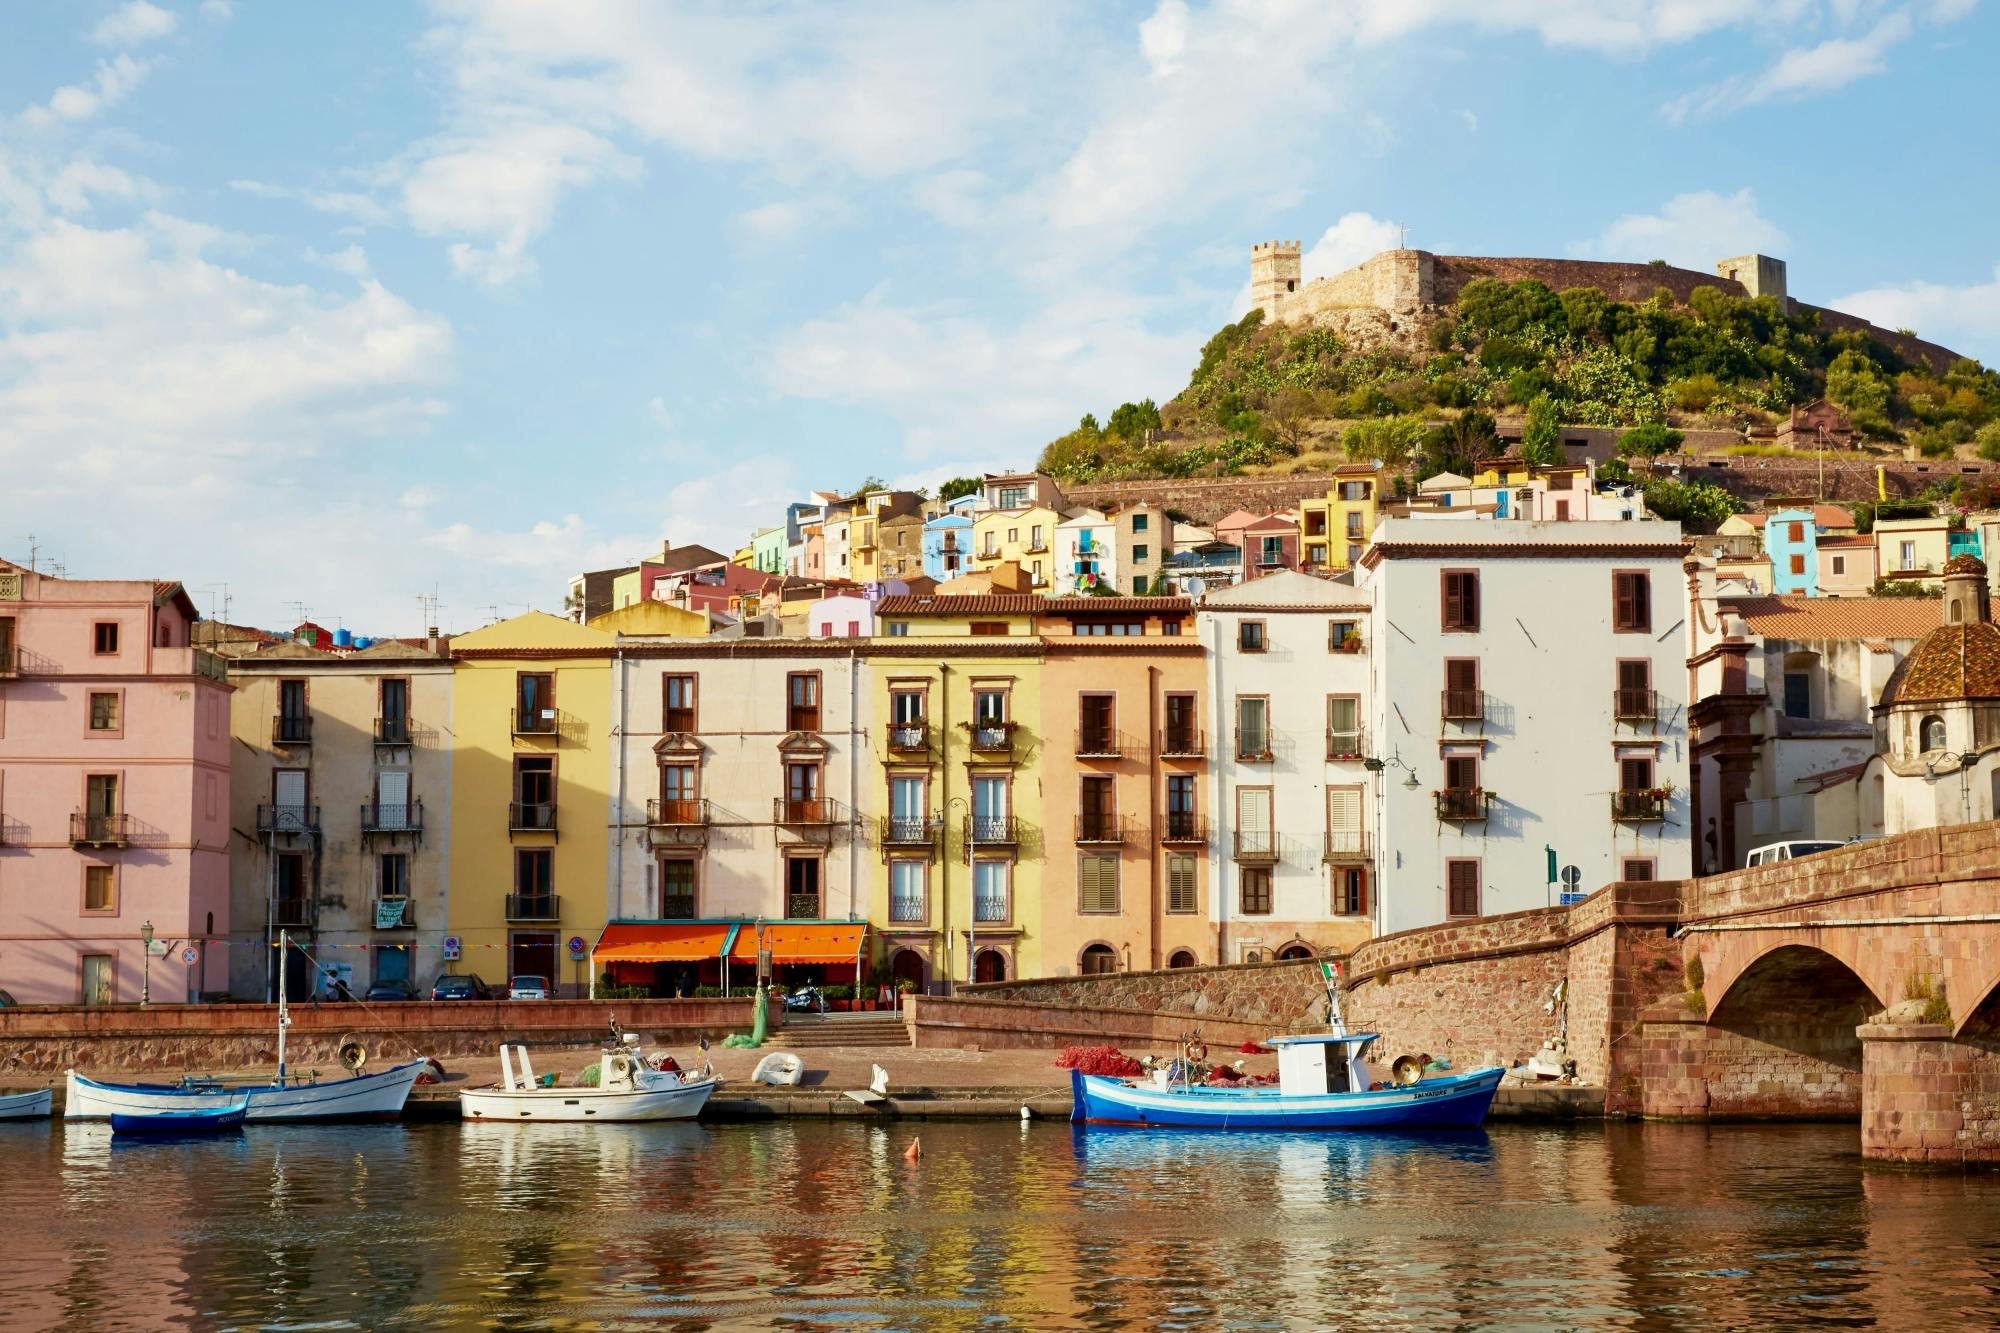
989, 966
532, 954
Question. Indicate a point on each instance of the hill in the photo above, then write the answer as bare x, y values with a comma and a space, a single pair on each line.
1284, 397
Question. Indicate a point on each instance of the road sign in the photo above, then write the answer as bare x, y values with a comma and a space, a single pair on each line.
190, 955
576, 946
1571, 878
451, 948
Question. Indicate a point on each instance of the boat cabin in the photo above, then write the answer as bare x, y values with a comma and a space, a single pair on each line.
1312, 1066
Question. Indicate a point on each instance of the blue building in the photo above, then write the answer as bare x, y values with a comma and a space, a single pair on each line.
948, 539
1791, 543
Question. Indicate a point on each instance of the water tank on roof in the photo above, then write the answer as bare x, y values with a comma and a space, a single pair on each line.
361, 642
343, 638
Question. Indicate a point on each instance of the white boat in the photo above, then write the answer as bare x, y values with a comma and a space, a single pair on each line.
378, 1096
628, 1088
26, 1105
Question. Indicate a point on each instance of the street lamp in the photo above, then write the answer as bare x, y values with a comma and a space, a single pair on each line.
146, 964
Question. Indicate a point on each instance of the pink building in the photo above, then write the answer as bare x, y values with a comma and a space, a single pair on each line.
114, 793
1269, 542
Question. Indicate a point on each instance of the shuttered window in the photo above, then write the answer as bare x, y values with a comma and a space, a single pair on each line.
1343, 821
1256, 891
1350, 891
1631, 601
1462, 879
1182, 896
1097, 883
1461, 599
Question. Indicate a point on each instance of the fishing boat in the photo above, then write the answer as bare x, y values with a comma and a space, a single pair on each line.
359, 1096
629, 1087
183, 1122
26, 1105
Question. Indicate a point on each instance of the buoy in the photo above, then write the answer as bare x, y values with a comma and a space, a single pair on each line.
1026, 1114
915, 1151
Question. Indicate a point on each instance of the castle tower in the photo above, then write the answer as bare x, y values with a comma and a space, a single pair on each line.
1760, 275
1274, 272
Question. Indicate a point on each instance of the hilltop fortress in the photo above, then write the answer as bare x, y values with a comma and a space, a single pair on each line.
1392, 297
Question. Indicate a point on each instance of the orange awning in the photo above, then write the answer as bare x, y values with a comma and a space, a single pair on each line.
802, 942
672, 942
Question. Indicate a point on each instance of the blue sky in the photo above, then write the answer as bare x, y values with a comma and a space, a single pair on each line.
473, 295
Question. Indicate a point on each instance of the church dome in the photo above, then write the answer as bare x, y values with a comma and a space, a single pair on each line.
1965, 563
1951, 662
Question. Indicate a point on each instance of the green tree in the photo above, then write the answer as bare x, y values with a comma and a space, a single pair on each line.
1132, 420
1541, 437
1462, 444
1649, 440
1391, 439
1698, 506
1988, 440
958, 486
1853, 381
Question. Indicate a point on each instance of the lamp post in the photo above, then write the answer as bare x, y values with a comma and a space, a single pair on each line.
146, 964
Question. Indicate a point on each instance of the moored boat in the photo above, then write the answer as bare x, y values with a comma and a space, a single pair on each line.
26, 1105
629, 1088
178, 1122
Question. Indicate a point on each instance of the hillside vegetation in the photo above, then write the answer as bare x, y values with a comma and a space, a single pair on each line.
1291, 398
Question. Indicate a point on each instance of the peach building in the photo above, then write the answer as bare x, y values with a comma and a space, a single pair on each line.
114, 793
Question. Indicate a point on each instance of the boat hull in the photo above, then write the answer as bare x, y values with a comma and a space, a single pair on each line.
362, 1097
27, 1105
176, 1124
1456, 1102
683, 1102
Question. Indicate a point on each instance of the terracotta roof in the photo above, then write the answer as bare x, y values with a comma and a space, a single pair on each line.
1792, 617
1952, 662
1825, 542
1965, 563
1833, 777
1019, 604
1826, 516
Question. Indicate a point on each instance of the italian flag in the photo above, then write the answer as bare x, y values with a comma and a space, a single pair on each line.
1330, 971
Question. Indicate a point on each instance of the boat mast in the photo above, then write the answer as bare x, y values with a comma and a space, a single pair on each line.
284, 1011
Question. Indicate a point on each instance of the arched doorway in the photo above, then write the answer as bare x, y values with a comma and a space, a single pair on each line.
1792, 1011
1097, 960
1181, 958
909, 965
1296, 950
990, 965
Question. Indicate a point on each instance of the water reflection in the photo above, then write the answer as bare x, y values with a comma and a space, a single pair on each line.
812, 1224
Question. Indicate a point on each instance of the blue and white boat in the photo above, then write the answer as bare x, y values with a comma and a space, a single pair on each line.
183, 1123
1324, 1082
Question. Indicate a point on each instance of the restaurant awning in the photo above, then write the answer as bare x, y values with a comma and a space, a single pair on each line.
664, 941
802, 942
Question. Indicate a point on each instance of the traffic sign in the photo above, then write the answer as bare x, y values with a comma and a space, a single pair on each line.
576, 946
451, 948
190, 955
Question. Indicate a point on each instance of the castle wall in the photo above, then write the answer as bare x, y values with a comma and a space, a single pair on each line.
1398, 281
1621, 282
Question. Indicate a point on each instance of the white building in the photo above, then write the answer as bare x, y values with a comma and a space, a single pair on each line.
1086, 553
1528, 683
1288, 678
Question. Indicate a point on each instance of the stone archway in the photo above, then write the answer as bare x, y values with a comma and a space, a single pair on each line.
1781, 1040
1296, 951
911, 966
1182, 958
989, 965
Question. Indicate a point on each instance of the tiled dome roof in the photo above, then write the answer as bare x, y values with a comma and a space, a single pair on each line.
1965, 563
1951, 662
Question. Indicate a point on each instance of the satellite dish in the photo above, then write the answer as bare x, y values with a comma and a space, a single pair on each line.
1571, 877
353, 1055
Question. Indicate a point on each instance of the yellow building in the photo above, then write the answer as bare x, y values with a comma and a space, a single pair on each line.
955, 749
1024, 537
1334, 529
530, 799
654, 620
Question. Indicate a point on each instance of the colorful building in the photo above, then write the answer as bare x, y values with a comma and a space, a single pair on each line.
1846, 565
532, 764
114, 794
1023, 537
1912, 548
1791, 544
1334, 528
767, 550
1086, 553
947, 541
1143, 542
1269, 542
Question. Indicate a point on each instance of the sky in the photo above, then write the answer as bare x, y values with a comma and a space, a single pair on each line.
325, 315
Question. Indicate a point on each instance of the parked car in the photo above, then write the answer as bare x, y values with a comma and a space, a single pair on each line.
391, 990
528, 988
460, 986
1774, 852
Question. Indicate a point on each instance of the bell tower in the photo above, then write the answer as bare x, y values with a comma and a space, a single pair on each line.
1274, 273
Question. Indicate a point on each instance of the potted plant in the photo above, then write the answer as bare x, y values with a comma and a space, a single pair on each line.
903, 987
840, 999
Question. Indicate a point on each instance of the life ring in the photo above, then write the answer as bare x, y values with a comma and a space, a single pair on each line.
1196, 1052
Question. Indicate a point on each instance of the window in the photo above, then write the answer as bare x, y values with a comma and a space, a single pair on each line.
1273, 551
100, 889
534, 702
1013, 497
1250, 636
1906, 558
1035, 542
1462, 884
1096, 883
1254, 835
1139, 523
1183, 895
802, 887
392, 875
988, 628
1798, 694
1636, 869
1095, 961
1094, 733
1931, 734
534, 876
992, 543
1097, 811
1795, 532
1635, 773
906, 891
1354, 532
100, 978
1013, 536
1798, 564
1631, 601
990, 882
1181, 958
1350, 891
1343, 822
802, 803
990, 821
100, 795
1343, 635
677, 891
1141, 554
1461, 772
1253, 732
1562, 511
1840, 564
677, 698
1343, 726
104, 638
802, 693
394, 702
1254, 884
1183, 734
1181, 821
1461, 601
104, 710
1462, 698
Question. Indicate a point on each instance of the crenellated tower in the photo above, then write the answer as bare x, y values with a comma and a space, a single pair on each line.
1274, 272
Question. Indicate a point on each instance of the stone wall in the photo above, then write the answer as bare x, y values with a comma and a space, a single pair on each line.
1399, 282
215, 1037
1206, 499
1848, 479
991, 1024
1621, 282
1927, 1098
1275, 996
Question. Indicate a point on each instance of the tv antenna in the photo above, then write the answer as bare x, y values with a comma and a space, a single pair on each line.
217, 592
431, 606
300, 613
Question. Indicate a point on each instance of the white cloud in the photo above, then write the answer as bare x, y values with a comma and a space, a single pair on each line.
1799, 72
353, 261
217, 11
132, 24
81, 180
958, 198
1471, 121
111, 84
1691, 230
1965, 318
341, 203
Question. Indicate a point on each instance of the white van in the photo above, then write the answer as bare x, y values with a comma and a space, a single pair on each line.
1772, 853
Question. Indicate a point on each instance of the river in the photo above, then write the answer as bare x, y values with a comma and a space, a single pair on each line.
820, 1225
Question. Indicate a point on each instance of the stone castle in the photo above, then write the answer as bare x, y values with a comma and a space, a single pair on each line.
1389, 298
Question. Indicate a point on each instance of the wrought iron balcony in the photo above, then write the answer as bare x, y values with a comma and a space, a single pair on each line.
909, 737
291, 729
1345, 845
910, 830
1100, 743
288, 819
1253, 745
538, 722
291, 911
1346, 746
1639, 807
405, 818
906, 909
1463, 705
678, 907
993, 737
802, 906
1629, 705
1183, 743
392, 731
87, 830
531, 817
1102, 829
675, 812
1462, 803
989, 909
1259, 848
991, 831
809, 810
534, 907
1183, 827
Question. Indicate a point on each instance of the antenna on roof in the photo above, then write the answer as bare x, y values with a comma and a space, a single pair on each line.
431, 606
300, 612
217, 592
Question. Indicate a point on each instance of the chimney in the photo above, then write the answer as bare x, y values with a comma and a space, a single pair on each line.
431, 638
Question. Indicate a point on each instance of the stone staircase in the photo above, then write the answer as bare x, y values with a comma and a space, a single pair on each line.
814, 1031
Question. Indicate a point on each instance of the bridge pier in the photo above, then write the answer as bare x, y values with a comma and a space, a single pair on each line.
1926, 1097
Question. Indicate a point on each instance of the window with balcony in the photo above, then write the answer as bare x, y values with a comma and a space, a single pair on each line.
104, 712
677, 889
534, 793
991, 884
1097, 882
908, 719
1094, 731
1635, 689
802, 887
1097, 811
534, 884
679, 802
1343, 726
802, 695
1350, 891
1250, 636
1460, 589
1463, 700
678, 704
802, 799
909, 817
101, 809
1253, 728
294, 713
1183, 730
392, 726
991, 820
1035, 542
907, 888
989, 719
1254, 890
1182, 822
392, 875
1183, 888
292, 899
1344, 838
1273, 551
104, 638
1256, 840
1462, 887
1012, 497
1631, 602
534, 703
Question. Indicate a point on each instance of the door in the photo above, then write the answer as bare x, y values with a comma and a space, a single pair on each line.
1180, 724
294, 718
1094, 723
392, 800
6, 643
1180, 805
1096, 810
535, 700
802, 792
532, 953
989, 966
677, 793
906, 809
1253, 820
534, 793
989, 809
1461, 687
288, 799
100, 805
392, 965
100, 978
395, 710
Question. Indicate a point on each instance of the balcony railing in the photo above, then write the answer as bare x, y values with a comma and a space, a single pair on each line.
534, 907
906, 909
86, 830
392, 731
1036, 545
678, 907
1638, 806
1463, 705
535, 722
909, 737
1183, 743
989, 909
1345, 845
802, 906
405, 818
1104, 829
1346, 745
991, 831
1629, 705
909, 830
531, 817
1253, 745
673, 812
291, 729
290, 911
1099, 743
993, 737
1462, 803
813, 810
1184, 826
1256, 848
287, 819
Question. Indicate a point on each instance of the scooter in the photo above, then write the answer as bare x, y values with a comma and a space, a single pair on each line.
806, 998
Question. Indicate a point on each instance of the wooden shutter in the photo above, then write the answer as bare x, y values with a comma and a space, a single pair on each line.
1463, 879
1343, 819
1461, 773
1454, 602
1097, 884
1635, 675
1181, 893
1635, 774
1461, 674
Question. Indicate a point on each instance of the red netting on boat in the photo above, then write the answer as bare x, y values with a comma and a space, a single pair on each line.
1108, 1061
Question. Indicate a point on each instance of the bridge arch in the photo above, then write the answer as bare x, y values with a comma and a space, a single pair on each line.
1727, 957
1781, 1037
